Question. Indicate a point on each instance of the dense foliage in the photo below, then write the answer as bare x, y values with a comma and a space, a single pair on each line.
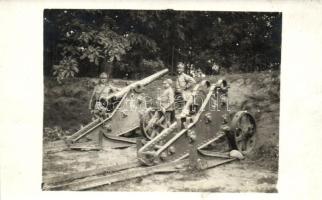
86, 42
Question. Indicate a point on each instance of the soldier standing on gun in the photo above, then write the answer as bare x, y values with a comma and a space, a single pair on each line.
184, 83
167, 101
101, 89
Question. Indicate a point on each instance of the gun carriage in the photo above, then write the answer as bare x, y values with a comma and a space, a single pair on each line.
204, 121
120, 115
204, 130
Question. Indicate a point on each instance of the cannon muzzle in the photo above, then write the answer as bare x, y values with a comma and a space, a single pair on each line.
136, 86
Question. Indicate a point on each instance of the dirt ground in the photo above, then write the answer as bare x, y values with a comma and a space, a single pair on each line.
232, 177
65, 110
238, 176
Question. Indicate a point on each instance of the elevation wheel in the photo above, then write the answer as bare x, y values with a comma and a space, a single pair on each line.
152, 123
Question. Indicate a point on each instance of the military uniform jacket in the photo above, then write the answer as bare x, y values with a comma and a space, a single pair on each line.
184, 82
167, 99
101, 90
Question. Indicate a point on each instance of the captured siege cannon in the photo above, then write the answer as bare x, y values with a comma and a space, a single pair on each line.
204, 122
205, 126
204, 130
119, 115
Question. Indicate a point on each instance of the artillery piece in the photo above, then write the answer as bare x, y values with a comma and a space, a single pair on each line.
205, 121
205, 131
121, 115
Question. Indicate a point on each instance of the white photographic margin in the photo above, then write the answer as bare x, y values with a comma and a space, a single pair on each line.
21, 92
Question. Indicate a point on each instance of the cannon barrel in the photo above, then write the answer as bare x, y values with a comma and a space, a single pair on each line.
137, 84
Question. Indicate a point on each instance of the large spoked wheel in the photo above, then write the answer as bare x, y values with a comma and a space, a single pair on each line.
152, 123
243, 130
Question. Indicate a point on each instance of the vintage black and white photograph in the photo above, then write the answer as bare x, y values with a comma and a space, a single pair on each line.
161, 100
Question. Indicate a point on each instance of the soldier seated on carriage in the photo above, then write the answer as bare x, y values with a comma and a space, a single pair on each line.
97, 106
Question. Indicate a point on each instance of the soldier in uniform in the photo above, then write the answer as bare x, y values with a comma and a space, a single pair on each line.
167, 101
165, 106
102, 89
184, 83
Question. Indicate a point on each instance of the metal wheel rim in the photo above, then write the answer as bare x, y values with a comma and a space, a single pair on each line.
244, 131
145, 121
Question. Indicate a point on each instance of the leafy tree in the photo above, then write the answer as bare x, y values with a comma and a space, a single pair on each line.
86, 42
81, 38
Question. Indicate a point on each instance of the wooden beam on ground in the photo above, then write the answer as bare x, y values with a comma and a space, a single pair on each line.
78, 175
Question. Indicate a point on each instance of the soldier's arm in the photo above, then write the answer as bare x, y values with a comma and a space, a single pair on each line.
190, 81
114, 89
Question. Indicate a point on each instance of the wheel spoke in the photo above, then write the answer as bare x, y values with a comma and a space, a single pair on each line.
244, 148
251, 143
162, 126
250, 131
238, 134
149, 132
154, 133
148, 127
151, 122
162, 119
